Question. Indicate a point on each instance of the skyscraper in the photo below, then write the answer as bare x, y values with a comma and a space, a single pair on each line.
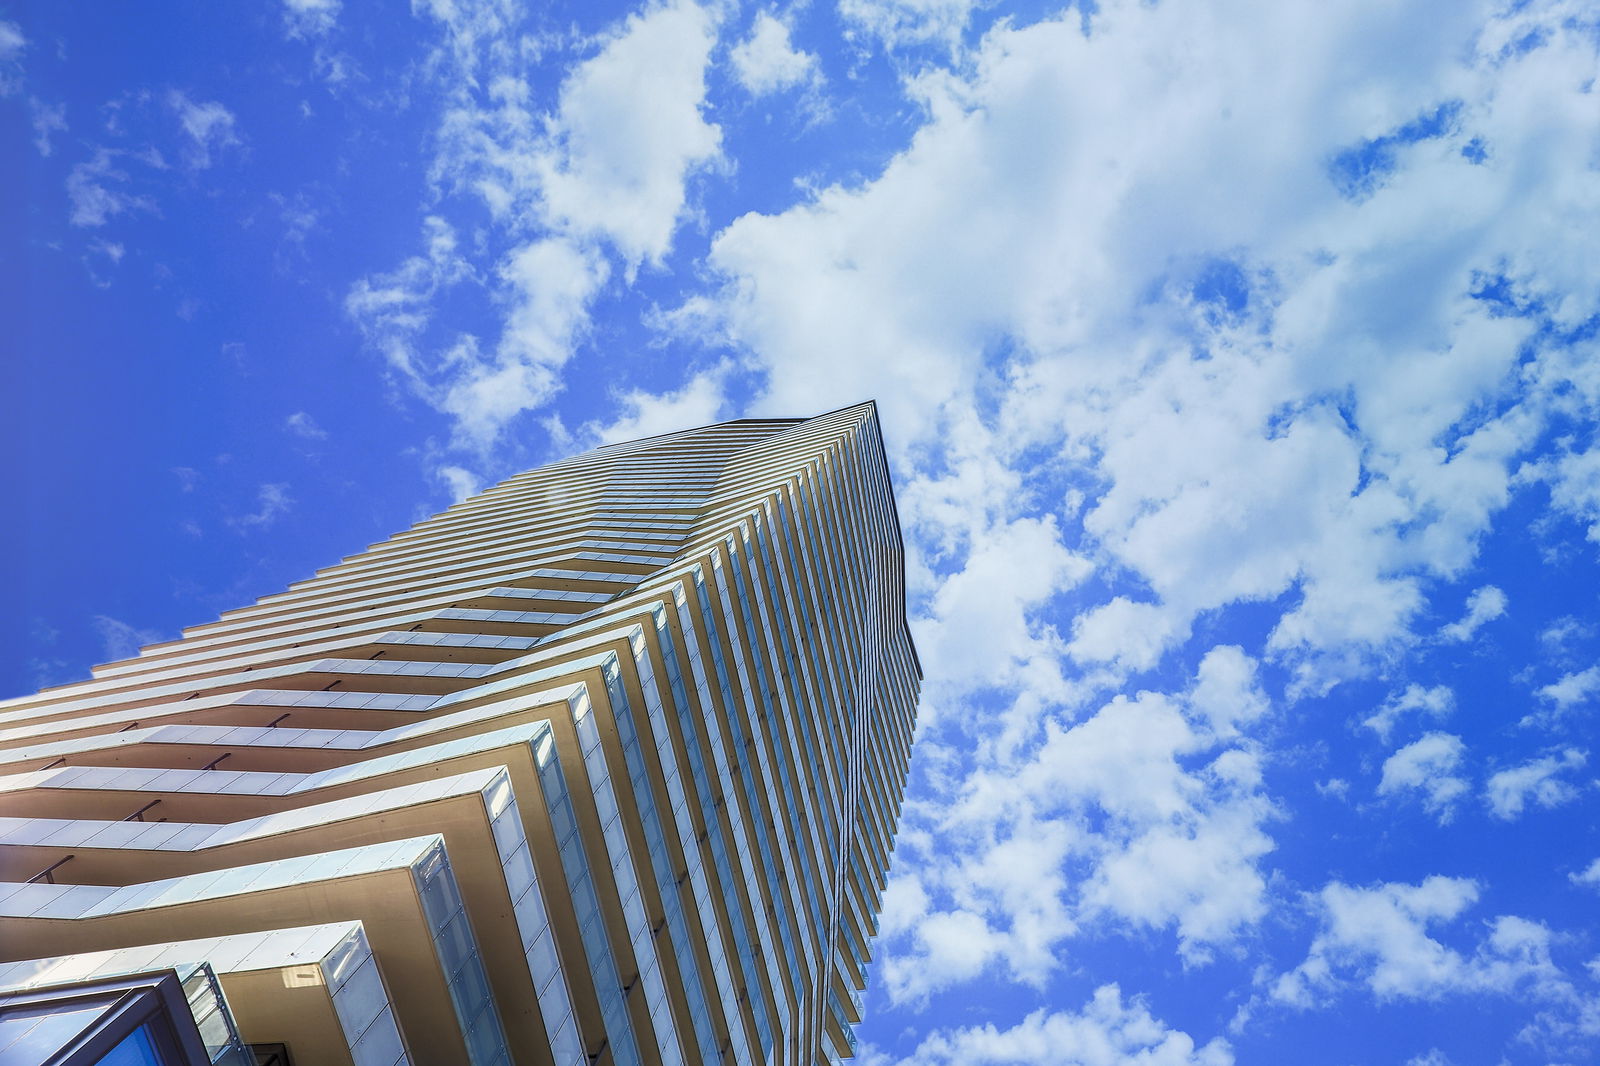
602, 765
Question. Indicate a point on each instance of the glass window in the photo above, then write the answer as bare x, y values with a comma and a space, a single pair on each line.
136, 1049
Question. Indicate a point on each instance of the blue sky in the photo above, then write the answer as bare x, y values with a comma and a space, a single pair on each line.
1238, 363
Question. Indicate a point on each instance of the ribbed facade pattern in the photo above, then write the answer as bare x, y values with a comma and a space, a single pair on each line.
602, 765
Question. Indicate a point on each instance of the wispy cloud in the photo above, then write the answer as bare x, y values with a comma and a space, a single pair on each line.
1510, 791
12, 46
97, 191
1484, 605
1572, 690
1379, 937
1108, 1029
1428, 766
47, 119
1124, 324
209, 127
305, 427
767, 61
120, 640
272, 502
1436, 702
309, 18
603, 174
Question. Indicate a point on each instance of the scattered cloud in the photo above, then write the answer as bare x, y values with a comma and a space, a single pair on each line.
304, 426
1380, 937
1180, 362
12, 45
1559, 637
394, 309
1108, 1031
460, 481
299, 218
97, 191
607, 171
1484, 605
209, 126
1436, 702
47, 119
1431, 1057
1509, 791
272, 502
628, 133
305, 19
767, 61
120, 640
1148, 814
646, 414
905, 23
1428, 766
1574, 480
1572, 689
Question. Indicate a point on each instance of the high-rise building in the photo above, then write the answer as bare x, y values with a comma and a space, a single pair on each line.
600, 766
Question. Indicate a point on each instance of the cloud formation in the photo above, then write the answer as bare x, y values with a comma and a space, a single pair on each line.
601, 178
1106, 1032
1428, 766
208, 125
767, 61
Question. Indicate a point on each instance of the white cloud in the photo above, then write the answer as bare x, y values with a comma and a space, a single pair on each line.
1575, 487
1114, 288
119, 640
461, 482
1436, 702
767, 62
272, 502
1194, 316
12, 45
1336, 787
1484, 605
982, 628
1129, 634
1381, 937
97, 193
1428, 766
1225, 693
608, 168
303, 425
629, 132
394, 309
1572, 689
1559, 635
1589, 876
903, 23
209, 126
1148, 814
549, 285
1431, 1057
647, 414
1509, 791
1106, 1032
309, 18
46, 119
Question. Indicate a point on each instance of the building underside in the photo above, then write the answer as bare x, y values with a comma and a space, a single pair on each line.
600, 766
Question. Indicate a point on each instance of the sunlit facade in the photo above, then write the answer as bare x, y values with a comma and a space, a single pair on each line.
600, 766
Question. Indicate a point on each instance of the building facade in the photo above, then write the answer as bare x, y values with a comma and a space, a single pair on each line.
600, 766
